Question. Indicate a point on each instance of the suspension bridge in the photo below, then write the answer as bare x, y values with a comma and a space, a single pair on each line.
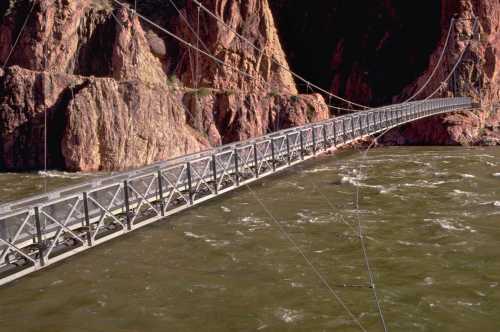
39, 231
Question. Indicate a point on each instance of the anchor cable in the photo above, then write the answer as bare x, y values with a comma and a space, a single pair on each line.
190, 45
19, 35
441, 57
360, 230
306, 259
459, 61
300, 78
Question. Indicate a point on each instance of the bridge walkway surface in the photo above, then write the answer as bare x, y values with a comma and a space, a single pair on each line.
39, 231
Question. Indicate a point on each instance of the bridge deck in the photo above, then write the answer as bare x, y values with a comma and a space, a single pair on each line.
42, 230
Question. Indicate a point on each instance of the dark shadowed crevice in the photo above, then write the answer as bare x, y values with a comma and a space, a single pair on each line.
95, 49
366, 51
57, 122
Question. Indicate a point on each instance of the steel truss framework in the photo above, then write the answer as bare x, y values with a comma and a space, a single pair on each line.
41, 230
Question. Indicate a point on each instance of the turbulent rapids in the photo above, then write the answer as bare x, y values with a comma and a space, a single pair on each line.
432, 220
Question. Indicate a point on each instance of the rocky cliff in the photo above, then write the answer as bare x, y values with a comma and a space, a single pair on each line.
111, 92
384, 51
106, 90
478, 76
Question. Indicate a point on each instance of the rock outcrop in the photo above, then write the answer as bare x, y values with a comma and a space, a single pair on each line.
96, 83
91, 86
477, 76
390, 55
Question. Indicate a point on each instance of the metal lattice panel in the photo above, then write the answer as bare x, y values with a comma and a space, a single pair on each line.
40, 230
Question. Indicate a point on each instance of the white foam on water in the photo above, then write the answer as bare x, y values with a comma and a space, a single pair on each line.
225, 209
355, 181
485, 156
410, 244
350, 180
288, 315
494, 203
194, 236
56, 282
317, 170
386, 190
305, 219
480, 293
296, 285
467, 176
469, 304
213, 243
441, 173
451, 226
253, 223
422, 163
460, 192
423, 184
428, 281
496, 174
322, 251
61, 175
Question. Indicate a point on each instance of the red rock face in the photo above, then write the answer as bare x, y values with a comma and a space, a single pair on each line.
478, 77
392, 53
112, 103
118, 93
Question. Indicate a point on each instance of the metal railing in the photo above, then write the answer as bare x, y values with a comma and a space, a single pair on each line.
38, 231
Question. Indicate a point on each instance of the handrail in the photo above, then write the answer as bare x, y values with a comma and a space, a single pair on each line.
40, 230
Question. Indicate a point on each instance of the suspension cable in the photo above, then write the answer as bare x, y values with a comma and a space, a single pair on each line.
441, 57
190, 45
361, 235
198, 46
190, 27
306, 259
459, 61
208, 54
19, 35
300, 78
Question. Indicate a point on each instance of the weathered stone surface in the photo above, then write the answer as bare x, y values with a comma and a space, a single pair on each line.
478, 76
118, 93
110, 102
104, 124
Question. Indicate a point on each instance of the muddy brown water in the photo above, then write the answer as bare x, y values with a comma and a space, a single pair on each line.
431, 218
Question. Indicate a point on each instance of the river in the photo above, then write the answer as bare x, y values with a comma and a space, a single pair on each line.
431, 219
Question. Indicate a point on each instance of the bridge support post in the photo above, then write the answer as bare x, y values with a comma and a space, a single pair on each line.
325, 139
87, 218
39, 236
160, 193
353, 131
214, 174
301, 137
189, 183
256, 160
334, 139
314, 139
236, 168
273, 155
288, 156
344, 134
127, 205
